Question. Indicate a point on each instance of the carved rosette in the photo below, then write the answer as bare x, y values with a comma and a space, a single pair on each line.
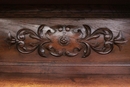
66, 40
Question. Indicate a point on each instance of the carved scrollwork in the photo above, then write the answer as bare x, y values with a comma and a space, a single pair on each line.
102, 47
65, 40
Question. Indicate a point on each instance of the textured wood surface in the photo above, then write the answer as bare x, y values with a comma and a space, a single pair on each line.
65, 11
58, 80
117, 62
16, 17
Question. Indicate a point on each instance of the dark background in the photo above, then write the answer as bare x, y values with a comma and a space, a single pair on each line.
64, 1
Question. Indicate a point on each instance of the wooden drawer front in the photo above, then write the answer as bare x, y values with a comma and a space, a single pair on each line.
65, 45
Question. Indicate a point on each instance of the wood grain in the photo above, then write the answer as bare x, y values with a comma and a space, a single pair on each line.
62, 80
117, 62
65, 11
16, 17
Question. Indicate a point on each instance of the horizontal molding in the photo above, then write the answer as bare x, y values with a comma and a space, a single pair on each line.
64, 11
65, 64
48, 68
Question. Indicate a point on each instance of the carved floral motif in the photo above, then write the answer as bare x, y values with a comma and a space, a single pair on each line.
66, 40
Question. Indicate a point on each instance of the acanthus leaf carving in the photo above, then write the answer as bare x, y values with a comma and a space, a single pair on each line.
66, 40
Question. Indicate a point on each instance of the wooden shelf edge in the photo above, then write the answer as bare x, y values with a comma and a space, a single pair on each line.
64, 11
47, 68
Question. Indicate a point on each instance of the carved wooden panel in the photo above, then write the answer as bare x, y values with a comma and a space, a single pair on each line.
65, 45
66, 40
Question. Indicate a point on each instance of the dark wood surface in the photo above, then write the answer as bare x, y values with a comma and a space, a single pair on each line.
113, 17
116, 62
65, 2
61, 80
65, 11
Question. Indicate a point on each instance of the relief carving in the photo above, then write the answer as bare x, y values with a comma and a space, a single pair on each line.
66, 40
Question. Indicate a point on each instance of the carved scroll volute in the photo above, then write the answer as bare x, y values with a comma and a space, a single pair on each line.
65, 40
